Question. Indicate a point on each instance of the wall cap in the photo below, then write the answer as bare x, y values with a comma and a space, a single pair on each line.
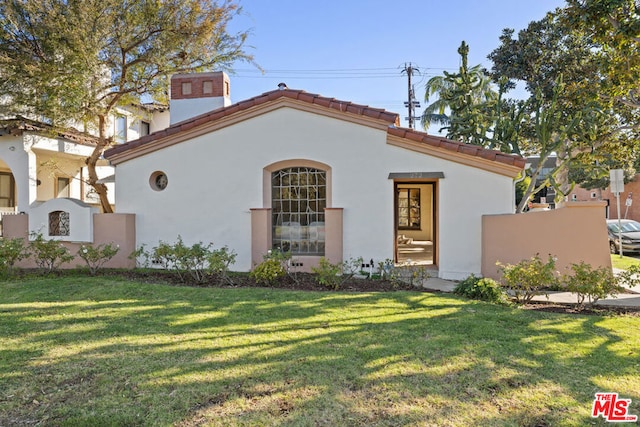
585, 204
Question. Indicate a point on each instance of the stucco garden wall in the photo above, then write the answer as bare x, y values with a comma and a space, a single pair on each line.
577, 232
118, 229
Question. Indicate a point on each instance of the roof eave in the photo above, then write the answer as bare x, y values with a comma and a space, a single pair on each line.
470, 155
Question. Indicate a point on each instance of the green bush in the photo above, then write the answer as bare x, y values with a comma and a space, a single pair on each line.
335, 275
141, 256
483, 289
96, 256
195, 263
185, 261
529, 277
11, 251
272, 268
629, 277
219, 261
590, 284
328, 274
413, 274
48, 254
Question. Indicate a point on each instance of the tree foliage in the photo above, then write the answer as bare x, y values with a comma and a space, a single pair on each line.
77, 60
572, 45
614, 28
463, 99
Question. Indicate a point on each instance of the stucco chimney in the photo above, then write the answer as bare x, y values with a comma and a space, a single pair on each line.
197, 93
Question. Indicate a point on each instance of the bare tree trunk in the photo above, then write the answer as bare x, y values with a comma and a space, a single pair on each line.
562, 177
532, 186
92, 160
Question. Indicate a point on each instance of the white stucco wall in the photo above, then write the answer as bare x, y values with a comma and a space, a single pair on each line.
22, 163
215, 179
80, 220
183, 109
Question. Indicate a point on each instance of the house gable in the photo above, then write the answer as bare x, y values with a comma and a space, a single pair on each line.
470, 155
244, 110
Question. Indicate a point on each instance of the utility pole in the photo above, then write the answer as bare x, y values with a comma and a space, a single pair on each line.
411, 102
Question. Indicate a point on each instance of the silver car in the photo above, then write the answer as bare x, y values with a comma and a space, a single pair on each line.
630, 235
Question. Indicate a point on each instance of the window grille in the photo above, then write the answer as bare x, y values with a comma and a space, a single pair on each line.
298, 200
59, 223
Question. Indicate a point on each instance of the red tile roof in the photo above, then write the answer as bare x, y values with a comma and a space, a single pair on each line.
343, 106
21, 124
460, 147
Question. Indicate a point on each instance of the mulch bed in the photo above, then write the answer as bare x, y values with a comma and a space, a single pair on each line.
307, 282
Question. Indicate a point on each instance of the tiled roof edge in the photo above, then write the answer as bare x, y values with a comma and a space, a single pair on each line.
459, 147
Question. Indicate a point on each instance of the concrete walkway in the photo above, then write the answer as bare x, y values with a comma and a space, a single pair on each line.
631, 300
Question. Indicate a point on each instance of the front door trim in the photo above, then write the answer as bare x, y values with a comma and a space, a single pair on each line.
435, 203
416, 175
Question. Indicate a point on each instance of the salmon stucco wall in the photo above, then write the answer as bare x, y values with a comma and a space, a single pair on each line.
574, 233
117, 229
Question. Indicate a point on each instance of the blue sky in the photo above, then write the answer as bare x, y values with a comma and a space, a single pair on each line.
355, 50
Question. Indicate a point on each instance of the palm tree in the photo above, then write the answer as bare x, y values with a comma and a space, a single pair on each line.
464, 98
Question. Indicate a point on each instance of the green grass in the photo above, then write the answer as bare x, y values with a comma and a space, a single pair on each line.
624, 262
78, 351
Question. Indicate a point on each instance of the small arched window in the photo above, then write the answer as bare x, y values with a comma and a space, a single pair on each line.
59, 223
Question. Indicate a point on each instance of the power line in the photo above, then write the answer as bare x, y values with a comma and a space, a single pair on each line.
331, 70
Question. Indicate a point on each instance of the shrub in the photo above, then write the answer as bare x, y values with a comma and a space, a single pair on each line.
97, 256
196, 263
413, 274
385, 268
629, 277
483, 289
328, 274
272, 268
185, 261
164, 255
527, 278
219, 261
335, 275
591, 284
141, 256
48, 254
11, 251
417, 274
191, 260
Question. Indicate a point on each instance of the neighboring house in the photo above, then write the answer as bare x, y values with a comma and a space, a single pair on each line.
629, 208
546, 194
312, 175
38, 163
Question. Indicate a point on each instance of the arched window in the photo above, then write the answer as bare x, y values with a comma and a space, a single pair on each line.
59, 223
298, 200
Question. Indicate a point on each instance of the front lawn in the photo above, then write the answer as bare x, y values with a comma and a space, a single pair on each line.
623, 263
79, 351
